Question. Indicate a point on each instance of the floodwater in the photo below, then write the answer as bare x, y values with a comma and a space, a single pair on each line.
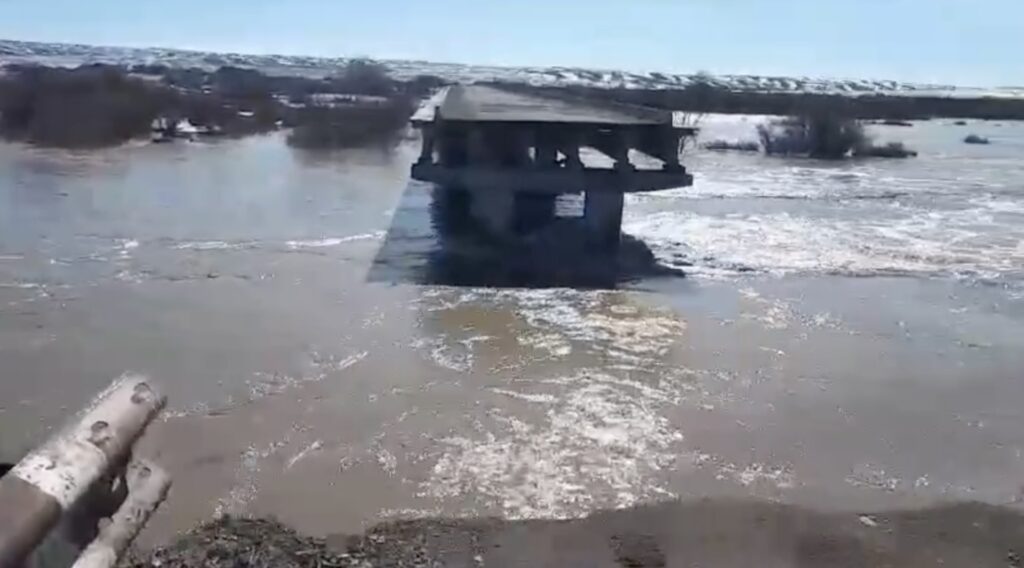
846, 336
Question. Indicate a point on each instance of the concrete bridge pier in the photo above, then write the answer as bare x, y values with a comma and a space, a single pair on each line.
500, 158
495, 211
602, 217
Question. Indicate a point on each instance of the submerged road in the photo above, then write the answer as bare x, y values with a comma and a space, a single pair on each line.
488, 104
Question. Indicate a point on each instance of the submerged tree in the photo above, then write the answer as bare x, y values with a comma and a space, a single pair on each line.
825, 135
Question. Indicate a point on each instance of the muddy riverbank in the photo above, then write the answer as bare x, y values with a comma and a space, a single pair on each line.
701, 533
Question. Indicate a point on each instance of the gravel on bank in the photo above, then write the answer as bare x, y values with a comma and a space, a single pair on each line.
707, 532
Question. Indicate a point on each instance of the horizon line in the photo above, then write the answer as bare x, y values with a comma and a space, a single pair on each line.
496, 65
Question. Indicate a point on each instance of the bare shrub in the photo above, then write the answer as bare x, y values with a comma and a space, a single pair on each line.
825, 135
351, 126
890, 150
737, 146
363, 77
90, 106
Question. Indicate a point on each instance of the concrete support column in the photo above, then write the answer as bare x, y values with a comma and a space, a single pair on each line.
572, 157
495, 211
516, 147
452, 151
427, 150
545, 153
621, 151
602, 212
670, 150
570, 146
533, 211
476, 146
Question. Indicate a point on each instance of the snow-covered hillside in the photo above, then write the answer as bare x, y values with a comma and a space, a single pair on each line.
75, 54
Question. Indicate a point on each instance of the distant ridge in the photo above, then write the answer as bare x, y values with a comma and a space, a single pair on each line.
61, 54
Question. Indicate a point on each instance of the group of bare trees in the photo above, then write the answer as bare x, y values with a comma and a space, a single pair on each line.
90, 106
102, 105
346, 126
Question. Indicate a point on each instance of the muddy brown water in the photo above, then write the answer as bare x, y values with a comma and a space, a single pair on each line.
847, 338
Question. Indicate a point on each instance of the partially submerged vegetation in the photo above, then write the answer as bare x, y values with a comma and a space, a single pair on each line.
890, 150
821, 135
895, 122
816, 126
379, 124
89, 106
732, 145
103, 105
827, 135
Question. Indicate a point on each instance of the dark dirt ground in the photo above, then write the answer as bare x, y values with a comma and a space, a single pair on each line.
720, 533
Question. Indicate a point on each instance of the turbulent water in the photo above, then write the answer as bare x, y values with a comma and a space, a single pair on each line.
846, 334
955, 211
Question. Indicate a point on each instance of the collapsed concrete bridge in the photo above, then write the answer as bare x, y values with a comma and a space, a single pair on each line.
508, 155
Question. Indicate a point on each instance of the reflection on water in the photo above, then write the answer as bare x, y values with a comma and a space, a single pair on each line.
425, 245
953, 211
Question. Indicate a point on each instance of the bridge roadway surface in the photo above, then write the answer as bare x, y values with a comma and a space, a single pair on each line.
479, 103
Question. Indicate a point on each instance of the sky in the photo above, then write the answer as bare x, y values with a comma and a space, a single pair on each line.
963, 42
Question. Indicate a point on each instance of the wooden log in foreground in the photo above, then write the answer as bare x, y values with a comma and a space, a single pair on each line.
54, 477
148, 485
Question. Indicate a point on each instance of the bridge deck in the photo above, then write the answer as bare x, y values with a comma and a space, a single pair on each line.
477, 103
510, 153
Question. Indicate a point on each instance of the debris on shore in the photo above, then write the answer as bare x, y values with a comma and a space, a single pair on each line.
709, 532
267, 543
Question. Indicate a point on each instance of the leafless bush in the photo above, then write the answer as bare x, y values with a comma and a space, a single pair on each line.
738, 146
363, 77
890, 150
101, 105
84, 107
351, 126
825, 135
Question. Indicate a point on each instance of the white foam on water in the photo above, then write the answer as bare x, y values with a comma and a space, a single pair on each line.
407, 514
315, 446
999, 205
757, 474
784, 243
349, 361
446, 352
333, 241
536, 397
561, 321
869, 475
245, 487
598, 321
727, 189
214, 245
601, 445
125, 247
387, 461
268, 384
554, 344
21, 285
